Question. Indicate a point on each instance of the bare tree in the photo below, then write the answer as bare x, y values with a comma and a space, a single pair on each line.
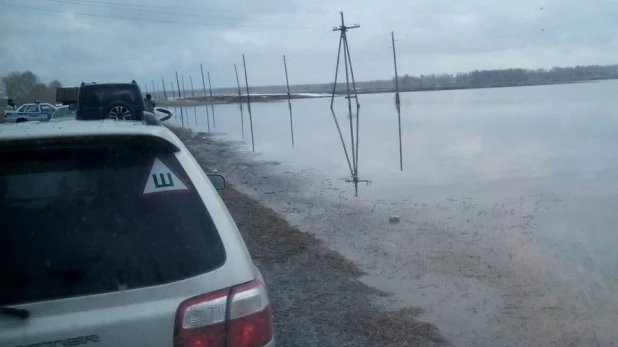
25, 86
55, 84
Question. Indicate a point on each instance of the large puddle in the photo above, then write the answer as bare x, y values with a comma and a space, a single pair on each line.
506, 204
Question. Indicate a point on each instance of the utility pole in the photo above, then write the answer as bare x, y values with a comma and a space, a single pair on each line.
184, 90
192, 90
178, 85
242, 120
238, 83
207, 117
287, 82
209, 85
396, 74
146, 88
154, 91
182, 116
164, 91
244, 64
397, 102
214, 119
203, 83
349, 77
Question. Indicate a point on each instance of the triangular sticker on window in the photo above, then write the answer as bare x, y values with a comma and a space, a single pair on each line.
162, 179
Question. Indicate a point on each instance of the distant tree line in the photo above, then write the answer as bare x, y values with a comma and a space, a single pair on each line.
508, 77
26, 86
462, 80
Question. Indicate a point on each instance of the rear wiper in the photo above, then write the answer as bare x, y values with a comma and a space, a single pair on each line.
15, 312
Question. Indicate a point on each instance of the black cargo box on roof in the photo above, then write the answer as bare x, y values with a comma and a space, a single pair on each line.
67, 95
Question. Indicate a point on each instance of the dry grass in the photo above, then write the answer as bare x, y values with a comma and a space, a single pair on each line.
185, 135
399, 328
279, 231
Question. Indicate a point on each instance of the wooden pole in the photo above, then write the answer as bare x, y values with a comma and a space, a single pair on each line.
164, 91
397, 102
347, 82
192, 90
207, 117
237, 82
214, 119
287, 82
242, 117
244, 64
184, 90
182, 116
209, 84
203, 83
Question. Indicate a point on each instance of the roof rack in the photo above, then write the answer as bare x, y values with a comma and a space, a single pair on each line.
84, 83
67, 95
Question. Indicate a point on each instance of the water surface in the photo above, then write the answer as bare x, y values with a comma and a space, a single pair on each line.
507, 203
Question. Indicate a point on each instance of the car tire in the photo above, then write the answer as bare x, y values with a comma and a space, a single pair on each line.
21, 120
120, 110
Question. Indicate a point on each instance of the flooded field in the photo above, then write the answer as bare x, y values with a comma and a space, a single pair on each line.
506, 202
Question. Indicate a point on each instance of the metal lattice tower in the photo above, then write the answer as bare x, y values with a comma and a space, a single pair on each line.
351, 93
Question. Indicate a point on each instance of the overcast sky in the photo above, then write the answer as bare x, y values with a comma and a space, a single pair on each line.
118, 40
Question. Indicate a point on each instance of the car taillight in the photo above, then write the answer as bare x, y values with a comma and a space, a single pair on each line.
201, 321
250, 316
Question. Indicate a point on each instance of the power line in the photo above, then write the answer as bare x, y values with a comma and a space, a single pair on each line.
192, 9
148, 20
126, 7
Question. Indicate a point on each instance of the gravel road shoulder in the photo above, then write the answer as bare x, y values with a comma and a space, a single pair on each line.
316, 297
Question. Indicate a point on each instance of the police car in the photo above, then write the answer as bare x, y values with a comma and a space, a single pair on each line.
27, 112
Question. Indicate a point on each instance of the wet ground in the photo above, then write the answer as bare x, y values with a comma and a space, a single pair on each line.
506, 229
316, 296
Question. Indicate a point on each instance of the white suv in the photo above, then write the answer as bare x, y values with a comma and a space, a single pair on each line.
112, 235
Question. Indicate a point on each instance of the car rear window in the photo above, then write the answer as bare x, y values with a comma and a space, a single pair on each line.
98, 216
102, 96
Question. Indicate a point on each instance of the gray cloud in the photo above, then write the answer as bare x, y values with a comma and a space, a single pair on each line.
167, 36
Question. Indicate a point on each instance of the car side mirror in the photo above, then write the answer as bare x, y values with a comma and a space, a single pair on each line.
217, 180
